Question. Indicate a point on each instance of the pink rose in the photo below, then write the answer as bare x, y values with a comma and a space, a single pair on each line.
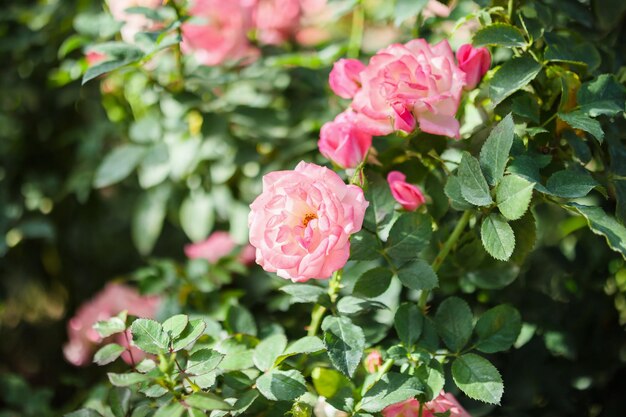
475, 62
435, 8
94, 58
344, 77
408, 195
133, 22
217, 246
410, 84
373, 361
410, 408
276, 20
301, 223
112, 300
343, 142
217, 32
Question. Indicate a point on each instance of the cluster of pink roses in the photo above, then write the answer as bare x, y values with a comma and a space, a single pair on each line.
403, 87
112, 300
218, 30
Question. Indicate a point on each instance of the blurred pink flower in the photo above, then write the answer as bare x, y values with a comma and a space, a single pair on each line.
301, 223
408, 195
475, 62
344, 77
373, 361
133, 22
343, 142
276, 20
112, 300
94, 58
217, 246
410, 408
410, 84
217, 32
435, 8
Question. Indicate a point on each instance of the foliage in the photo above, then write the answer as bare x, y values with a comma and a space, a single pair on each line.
497, 289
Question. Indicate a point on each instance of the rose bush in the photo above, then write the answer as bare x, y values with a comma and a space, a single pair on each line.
460, 199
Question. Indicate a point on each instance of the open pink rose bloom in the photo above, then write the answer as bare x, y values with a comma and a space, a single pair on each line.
112, 300
410, 408
301, 223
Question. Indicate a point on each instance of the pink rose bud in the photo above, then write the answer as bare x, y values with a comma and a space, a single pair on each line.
410, 408
344, 77
112, 300
301, 223
475, 62
408, 195
94, 58
408, 86
343, 142
373, 361
217, 246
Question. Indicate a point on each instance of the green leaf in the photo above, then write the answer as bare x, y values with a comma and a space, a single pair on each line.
364, 246
104, 67
118, 164
125, 380
268, 350
579, 120
108, 353
525, 230
571, 183
406, 9
499, 34
111, 326
563, 48
344, 342
418, 275
474, 186
495, 151
197, 216
203, 361
497, 236
454, 323
119, 54
307, 344
603, 224
453, 191
513, 75
239, 320
498, 328
495, 276
206, 401
303, 293
408, 323
432, 375
170, 409
513, 196
281, 385
478, 378
149, 336
409, 235
175, 325
148, 217
85, 412
373, 282
119, 401
579, 145
391, 389
349, 305
191, 333
602, 96
382, 204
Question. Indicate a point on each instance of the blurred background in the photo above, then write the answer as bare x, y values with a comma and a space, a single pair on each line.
62, 239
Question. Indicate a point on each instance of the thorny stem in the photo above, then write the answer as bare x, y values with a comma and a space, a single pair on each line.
319, 310
177, 51
445, 250
130, 352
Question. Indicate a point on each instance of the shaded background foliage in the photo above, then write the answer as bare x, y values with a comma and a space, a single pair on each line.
62, 240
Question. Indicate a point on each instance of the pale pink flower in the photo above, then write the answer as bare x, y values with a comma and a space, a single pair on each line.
408, 85
408, 195
343, 142
217, 246
112, 300
435, 8
344, 77
410, 408
217, 32
276, 20
373, 361
301, 223
133, 22
475, 62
